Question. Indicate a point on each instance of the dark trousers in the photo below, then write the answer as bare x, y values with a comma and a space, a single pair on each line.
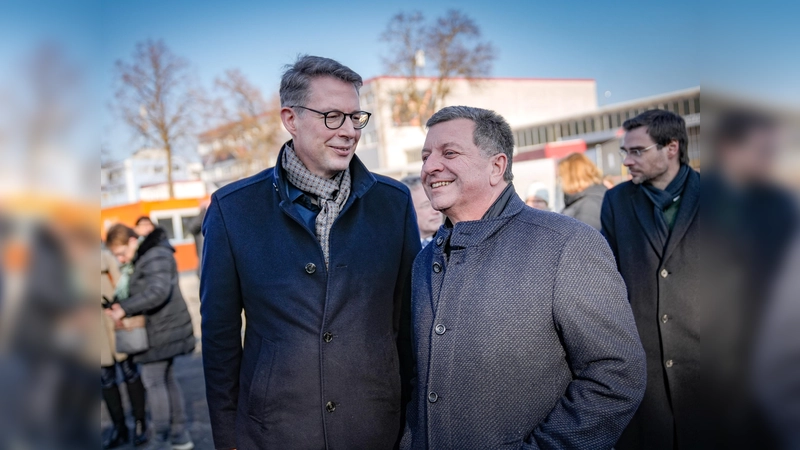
111, 395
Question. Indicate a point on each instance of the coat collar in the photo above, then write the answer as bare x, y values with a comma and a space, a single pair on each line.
690, 204
155, 238
643, 209
690, 201
362, 179
475, 232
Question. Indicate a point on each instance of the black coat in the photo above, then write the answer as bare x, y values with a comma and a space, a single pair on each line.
523, 337
319, 367
664, 289
585, 205
154, 292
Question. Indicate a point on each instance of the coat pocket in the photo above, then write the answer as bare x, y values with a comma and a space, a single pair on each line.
257, 404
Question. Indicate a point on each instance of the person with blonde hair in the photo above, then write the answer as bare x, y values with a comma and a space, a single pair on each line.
583, 189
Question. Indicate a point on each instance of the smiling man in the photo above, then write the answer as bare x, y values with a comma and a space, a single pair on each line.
651, 225
522, 333
317, 252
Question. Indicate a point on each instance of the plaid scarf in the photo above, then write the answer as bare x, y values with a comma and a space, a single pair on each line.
331, 194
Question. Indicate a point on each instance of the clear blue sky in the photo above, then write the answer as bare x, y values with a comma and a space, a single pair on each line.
632, 49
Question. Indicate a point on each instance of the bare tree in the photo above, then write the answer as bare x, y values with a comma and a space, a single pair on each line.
155, 97
451, 44
248, 124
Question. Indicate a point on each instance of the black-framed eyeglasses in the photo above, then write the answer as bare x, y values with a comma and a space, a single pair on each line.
635, 152
335, 119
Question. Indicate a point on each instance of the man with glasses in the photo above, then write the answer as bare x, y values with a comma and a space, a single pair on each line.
317, 252
651, 225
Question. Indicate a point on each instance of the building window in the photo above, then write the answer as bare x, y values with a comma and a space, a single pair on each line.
167, 225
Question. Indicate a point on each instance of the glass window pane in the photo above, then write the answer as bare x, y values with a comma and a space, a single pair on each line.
168, 226
187, 225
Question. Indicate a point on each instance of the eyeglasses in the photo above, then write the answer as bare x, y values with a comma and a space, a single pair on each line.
635, 152
335, 119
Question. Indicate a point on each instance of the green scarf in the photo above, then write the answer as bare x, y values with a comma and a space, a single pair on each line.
122, 291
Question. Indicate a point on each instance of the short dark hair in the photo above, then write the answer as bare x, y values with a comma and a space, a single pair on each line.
663, 127
296, 79
144, 218
492, 133
119, 234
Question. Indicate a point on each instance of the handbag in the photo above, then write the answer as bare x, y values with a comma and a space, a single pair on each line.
131, 335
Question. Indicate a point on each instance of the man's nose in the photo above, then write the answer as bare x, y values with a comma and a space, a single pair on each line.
347, 129
432, 164
627, 160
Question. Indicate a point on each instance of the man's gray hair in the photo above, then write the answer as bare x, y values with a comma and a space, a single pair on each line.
296, 79
492, 133
412, 181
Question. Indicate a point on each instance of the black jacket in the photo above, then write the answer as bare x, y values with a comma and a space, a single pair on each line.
585, 205
664, 289
156, 294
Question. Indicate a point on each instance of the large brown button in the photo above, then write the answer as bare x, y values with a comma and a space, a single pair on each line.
311, 268
330, 407
327, 337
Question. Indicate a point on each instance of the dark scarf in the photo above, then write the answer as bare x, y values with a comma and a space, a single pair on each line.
664, 199
500, 204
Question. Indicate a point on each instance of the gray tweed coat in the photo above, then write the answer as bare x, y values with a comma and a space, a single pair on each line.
523, 338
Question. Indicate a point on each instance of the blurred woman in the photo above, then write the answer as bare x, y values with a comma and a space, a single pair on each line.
583, 189
110, 359
149, 285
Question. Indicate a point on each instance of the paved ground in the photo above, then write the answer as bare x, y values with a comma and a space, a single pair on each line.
189, 370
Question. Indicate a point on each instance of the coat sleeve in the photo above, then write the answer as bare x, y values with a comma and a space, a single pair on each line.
221, 312
157, 267
411, 247
602, 346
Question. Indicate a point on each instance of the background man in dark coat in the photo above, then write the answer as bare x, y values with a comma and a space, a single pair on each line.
651, 225
522, 333
317, 251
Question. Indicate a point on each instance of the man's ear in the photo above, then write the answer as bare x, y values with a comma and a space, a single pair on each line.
499, 162
673, 149
289, 119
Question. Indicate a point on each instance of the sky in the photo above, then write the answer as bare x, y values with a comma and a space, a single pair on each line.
632, 49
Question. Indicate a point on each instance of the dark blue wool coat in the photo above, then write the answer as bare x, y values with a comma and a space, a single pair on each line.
664, 288
319, 364
523, 339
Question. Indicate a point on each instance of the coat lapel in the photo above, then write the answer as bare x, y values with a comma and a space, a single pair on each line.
644, 212
688, 210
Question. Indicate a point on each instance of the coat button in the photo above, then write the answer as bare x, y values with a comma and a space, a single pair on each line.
330, 407
327, 337
664, 273
437, 267
668, 363
432, 397
439, 240
664, 318
440, 329
311, 268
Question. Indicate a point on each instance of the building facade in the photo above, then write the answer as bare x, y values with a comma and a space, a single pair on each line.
392, 141
124, 182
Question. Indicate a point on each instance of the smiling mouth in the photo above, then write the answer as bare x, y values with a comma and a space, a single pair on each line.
439, 184
340, 149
